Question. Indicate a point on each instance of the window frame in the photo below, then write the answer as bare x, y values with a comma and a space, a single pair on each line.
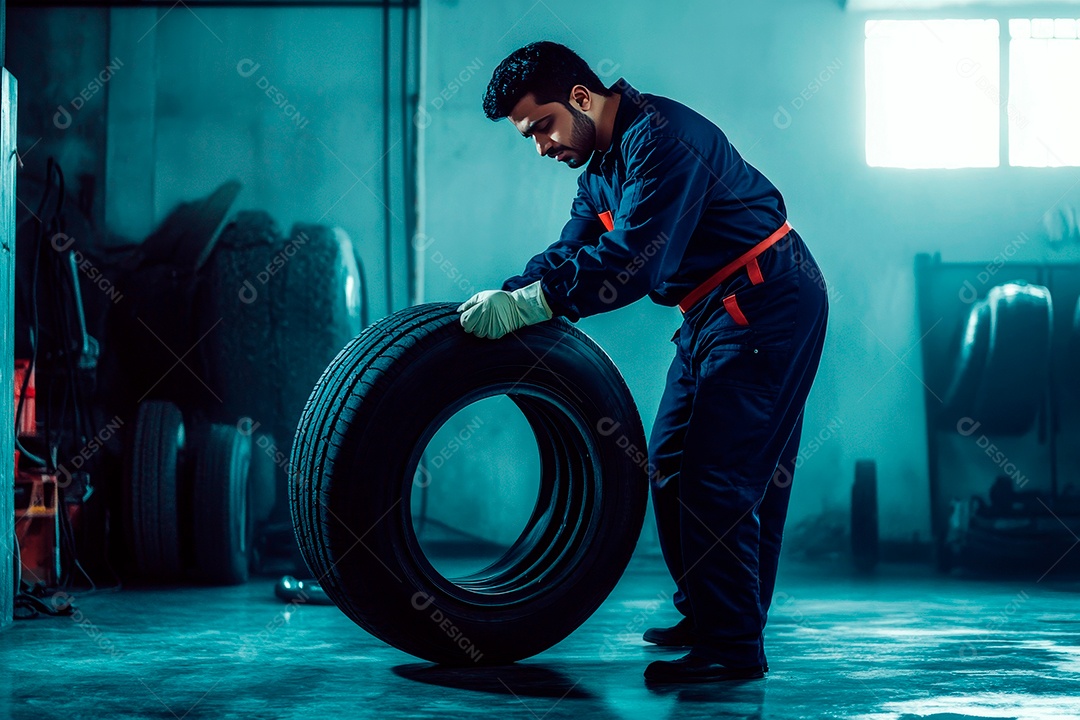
1003, 14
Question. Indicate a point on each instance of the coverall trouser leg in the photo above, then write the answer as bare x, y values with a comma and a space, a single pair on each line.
723, 452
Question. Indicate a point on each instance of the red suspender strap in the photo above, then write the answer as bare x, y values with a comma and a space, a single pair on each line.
754, 271
748, 260
609, 222
734, 310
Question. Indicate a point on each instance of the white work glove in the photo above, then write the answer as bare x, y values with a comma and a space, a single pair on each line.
494, 313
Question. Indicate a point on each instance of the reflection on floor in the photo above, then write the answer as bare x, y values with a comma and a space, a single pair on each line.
906, 644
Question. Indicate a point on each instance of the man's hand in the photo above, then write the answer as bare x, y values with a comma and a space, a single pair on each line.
494, 313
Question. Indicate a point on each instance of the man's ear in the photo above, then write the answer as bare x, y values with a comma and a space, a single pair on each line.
581, 98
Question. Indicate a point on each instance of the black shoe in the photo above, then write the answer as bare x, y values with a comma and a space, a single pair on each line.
693, 669
680, 635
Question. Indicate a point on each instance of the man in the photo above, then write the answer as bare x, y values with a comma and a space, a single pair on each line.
666, 207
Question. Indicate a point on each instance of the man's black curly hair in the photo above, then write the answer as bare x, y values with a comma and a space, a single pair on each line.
546, 69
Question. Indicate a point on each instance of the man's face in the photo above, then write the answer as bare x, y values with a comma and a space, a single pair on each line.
564, 133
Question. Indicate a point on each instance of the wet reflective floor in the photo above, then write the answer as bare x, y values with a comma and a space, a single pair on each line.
904, 644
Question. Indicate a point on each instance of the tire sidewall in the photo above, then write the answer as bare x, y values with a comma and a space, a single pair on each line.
448, 370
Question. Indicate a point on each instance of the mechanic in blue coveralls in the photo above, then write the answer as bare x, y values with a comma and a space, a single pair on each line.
666, 207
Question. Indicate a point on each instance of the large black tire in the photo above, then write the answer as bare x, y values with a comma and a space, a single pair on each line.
321, 314
1069, 380
970, 346
1014, 384
944, 560
356, 451
262, 477
245, 301
282, 310
150, 497
221, 526
1075, 337
1003, 361
864, 517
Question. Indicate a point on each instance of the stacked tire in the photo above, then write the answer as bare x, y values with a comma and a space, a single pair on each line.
286, 307
864, 517
999, 384
152, 493
1003, 352
187, 498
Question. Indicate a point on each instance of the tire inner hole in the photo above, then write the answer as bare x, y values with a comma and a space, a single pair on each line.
475, 488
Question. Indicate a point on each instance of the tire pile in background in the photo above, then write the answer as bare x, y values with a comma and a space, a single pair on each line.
206, 459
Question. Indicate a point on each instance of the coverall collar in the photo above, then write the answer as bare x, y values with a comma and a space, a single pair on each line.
629, 110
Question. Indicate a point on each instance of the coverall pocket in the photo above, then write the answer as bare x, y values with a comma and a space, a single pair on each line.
768, 310
745, 365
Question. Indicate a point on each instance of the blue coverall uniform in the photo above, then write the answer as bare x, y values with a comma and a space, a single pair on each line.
666, 206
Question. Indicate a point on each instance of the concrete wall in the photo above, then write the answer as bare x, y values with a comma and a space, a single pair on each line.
163, 105
739, 64
317, 164
56, 54
185, 109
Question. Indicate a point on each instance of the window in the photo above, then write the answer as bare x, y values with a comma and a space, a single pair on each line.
933, 96
926, 106
1044, 93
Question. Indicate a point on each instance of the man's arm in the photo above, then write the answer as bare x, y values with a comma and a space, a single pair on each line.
665, 192
583, 228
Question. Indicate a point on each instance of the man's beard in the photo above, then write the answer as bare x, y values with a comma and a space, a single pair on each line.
582, 137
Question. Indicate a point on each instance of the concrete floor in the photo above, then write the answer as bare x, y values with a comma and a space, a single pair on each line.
906, 644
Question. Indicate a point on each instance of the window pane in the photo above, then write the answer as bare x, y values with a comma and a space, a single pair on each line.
931, 93
1044, 96
1020, 28
1042, 28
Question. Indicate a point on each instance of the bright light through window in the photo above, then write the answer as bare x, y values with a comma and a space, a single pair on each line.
931, 93
1044, 93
